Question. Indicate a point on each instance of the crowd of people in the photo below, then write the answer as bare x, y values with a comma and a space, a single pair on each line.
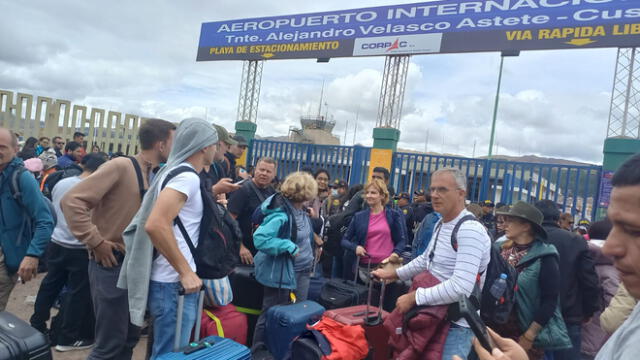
121, 236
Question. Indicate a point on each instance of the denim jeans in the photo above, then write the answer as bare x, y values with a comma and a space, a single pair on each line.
575, 334
275, 296
163, 308
458, 342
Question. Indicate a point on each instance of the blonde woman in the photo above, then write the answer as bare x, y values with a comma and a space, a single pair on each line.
285, 245
375, 233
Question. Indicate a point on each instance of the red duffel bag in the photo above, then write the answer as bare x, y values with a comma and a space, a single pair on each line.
224, 321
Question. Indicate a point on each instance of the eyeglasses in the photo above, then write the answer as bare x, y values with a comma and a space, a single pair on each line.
59, 143
440, 190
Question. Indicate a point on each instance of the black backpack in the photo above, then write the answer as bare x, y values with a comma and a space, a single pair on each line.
218, 249
54, 178
334, 230
492, 311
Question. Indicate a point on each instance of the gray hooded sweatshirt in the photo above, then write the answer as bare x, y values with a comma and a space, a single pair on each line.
192, 135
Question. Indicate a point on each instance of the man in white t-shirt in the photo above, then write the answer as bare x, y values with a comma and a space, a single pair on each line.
457, 270
174, 267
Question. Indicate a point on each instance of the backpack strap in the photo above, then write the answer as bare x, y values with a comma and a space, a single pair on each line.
138, 170
173, 173
256, 191
14, 185
454, 234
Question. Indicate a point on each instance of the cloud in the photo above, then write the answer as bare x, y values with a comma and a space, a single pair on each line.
139, 57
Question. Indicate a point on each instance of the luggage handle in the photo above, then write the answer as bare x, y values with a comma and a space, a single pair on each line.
178, 332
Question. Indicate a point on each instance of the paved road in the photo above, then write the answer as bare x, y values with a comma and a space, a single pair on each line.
18, 306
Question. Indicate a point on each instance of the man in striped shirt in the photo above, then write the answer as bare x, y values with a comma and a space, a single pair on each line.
457, 270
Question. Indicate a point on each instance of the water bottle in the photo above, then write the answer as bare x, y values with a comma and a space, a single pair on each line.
498, 287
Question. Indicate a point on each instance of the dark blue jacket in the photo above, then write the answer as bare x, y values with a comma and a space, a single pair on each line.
359, 227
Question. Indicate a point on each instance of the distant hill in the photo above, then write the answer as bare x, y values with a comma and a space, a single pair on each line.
537, 159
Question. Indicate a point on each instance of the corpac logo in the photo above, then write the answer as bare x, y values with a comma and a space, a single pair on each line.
406, 44
388, 46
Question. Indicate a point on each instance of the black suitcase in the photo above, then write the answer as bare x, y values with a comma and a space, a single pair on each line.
247, 291
20, 341
247, 295
340, 293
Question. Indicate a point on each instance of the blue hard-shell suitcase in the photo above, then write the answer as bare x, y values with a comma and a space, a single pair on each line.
212, 347
286, 322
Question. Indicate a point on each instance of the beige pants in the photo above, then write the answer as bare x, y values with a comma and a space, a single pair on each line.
7, 282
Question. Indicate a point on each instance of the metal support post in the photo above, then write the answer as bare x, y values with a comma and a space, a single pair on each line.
624, 113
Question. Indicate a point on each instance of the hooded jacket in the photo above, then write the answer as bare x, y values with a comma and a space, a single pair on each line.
192, 135
13, 218
275, 241
424, 329
580, 292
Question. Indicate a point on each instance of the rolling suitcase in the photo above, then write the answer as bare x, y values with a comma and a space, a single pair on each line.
247, 295
340, 293
359, 314
286, 322
212, 347
20, 341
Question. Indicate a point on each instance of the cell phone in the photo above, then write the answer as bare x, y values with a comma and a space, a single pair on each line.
240, 182
469, 312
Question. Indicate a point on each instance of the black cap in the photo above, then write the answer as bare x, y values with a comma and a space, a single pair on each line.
488, 203
419, 193
403, 195
337, 183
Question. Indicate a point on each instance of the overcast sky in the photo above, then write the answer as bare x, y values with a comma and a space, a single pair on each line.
139, 57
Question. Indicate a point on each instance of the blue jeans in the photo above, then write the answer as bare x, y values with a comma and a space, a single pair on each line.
163, 308
575, 334
458, 342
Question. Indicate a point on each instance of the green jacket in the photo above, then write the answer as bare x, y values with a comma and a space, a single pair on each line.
554, 335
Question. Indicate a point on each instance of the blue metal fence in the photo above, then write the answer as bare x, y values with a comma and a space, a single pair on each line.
349, 163
574, 188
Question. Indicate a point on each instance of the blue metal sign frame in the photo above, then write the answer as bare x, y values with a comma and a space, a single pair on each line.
448, 26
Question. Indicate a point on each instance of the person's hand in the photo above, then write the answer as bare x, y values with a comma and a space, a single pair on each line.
506, 349
222, 199
312, 212
393, 259
406, 302
525, 342
103, 253
245, 255
224, 186
360, 251
28, 268
190, 282
385, 274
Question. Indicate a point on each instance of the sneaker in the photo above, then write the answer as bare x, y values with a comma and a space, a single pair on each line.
78, 345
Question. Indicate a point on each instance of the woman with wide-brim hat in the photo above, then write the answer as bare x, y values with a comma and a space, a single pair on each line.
536, 322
